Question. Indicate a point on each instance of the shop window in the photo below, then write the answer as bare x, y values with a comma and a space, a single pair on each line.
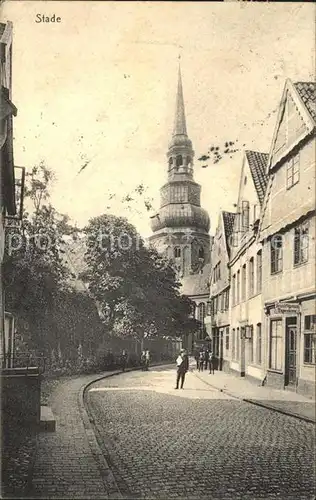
276, 345
276, 253
310, 339
301, 244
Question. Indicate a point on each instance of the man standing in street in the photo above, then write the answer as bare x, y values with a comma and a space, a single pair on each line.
124, 360
212, 362
182, 367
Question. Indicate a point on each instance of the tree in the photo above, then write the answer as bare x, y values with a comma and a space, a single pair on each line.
49, 312
136, 288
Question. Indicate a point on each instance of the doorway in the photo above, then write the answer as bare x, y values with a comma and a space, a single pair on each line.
290, 352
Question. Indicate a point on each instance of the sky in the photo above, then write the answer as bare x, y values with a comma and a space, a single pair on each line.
100, 87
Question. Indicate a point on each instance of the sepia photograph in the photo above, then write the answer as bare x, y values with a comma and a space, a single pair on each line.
157, 250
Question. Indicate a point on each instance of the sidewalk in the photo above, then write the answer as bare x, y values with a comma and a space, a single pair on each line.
287, 402
69, 462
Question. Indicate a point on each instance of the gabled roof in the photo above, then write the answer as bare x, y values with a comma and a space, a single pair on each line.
258, 166
196, 284
303, 95
307, 92
228, 221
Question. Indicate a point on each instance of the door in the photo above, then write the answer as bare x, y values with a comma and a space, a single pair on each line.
290, 361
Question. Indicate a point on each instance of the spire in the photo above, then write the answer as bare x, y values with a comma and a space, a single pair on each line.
180, 127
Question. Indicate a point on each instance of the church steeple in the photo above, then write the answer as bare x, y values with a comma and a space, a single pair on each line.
180, 126
181, 227
180, 153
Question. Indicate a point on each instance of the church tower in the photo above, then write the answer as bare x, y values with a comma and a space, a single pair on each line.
181, 227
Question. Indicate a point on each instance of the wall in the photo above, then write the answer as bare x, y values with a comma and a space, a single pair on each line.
21, 395
293, 279
285, 204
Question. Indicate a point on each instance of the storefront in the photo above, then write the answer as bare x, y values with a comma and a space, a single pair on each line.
291, 340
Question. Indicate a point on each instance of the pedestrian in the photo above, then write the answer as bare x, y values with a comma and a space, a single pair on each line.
143, 360
206, 358
201, 360
212, 362
147, 360
182, 368
124, 360
196, 357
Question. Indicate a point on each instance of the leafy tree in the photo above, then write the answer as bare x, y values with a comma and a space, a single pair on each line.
136, 288
36, 276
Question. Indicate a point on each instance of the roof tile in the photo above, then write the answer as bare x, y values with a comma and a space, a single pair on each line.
307, 92
258, 165
228, 219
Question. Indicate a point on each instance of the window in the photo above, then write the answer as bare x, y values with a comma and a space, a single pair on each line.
245, 215
276, 253
250, 343
179, 161
259, 271
177, 252
237, 344
201, 312
243, 282
310, 339
276, 345
215, 305
251, 277
238, 287
227, 339
233, 343
292, 171
301, 244
170, 161
226, 300
234, 290
259, 344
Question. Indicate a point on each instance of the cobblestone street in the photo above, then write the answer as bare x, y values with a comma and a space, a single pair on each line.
197, 442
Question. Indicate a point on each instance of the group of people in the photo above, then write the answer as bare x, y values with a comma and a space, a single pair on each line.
205, 359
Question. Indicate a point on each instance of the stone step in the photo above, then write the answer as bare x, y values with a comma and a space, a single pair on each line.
47, 422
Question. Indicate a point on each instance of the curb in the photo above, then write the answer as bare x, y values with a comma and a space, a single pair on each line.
107, 476
259, 403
